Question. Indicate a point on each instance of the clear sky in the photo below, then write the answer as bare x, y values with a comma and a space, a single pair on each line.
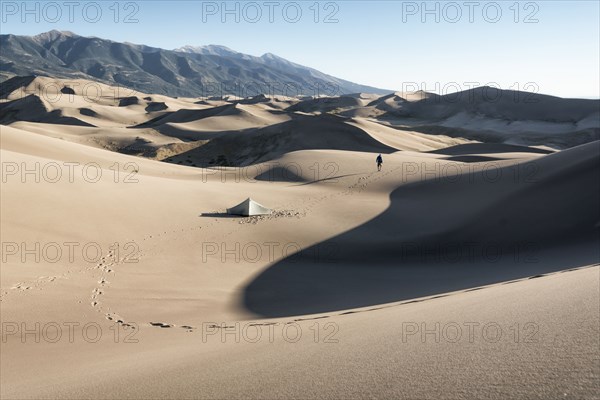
550, 47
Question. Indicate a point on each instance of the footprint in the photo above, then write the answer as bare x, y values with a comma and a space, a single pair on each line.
20, 286
188, 328
161, 325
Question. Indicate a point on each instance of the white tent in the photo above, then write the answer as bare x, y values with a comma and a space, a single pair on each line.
248, 208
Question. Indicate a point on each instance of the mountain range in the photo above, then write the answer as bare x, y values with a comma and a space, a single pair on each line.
204, 71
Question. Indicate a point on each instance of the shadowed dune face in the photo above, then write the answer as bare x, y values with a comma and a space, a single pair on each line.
326, 104
156, 106
88, 112
13, 84
185, 115
472, 159
483, 148
307, 285
437, 243
129, 101
280, 174
33, 108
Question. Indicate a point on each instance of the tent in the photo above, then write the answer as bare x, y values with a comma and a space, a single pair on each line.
248, 208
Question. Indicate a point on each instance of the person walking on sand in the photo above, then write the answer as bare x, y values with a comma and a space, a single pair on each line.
379, 161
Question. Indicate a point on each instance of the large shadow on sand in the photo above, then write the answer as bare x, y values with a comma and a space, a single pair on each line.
438, 237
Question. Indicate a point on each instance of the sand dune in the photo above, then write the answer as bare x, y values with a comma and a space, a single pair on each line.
367, 264
503, 104
165, 127
34, 109
485, 148
183, 116
325, 104
492, 115
405, 140
300, 133
434, 222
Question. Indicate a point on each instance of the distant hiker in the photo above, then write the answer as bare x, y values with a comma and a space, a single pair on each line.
379, 161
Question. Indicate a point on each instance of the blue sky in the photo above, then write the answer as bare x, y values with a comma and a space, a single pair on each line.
544, 46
